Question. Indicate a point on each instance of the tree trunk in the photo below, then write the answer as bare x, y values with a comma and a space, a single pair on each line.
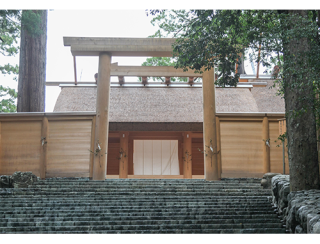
301, 128
32, 68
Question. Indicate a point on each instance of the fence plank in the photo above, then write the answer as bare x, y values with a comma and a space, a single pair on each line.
44, 147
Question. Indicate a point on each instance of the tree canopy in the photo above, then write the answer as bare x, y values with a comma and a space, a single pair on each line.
286, 38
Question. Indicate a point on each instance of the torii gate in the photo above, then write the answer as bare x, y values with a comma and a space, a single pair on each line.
105, 48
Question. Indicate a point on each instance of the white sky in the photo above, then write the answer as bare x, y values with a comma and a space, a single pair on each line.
130, 22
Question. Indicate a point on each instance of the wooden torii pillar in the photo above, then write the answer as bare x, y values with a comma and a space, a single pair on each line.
102, 117
211, 171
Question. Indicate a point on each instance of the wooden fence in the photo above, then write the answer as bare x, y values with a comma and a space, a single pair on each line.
59, 145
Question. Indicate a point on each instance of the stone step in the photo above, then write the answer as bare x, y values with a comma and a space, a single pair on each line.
68, 205
129, 193
162, 191
129, 211
93, 198
227, 180
146, 188
95, 195
229, 222
128, 185
105, 217
146, 182
194, 210
139, 215
170, 231
132, 204
139, 227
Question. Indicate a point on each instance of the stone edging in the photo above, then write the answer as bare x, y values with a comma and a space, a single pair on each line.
300, 210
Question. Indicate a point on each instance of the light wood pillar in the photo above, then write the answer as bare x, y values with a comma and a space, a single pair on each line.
93, 127
44, 147
209, 126
102, 118
123, 155
219, 148
187, 155
266, 145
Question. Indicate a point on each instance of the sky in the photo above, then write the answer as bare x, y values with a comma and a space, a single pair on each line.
84, 23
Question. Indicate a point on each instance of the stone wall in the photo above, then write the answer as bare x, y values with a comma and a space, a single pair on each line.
300, 210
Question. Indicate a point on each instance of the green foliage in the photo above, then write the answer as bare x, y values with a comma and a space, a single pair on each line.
31, 22
171, 24
7, 100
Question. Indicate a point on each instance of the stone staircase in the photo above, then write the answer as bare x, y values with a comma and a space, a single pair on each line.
78, 205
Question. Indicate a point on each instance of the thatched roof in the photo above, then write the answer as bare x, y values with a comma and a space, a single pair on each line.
144, 104
267, 99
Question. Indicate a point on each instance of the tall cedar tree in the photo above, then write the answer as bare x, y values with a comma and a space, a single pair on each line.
32, 66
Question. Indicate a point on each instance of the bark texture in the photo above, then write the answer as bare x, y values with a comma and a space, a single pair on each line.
301, 129
32, 69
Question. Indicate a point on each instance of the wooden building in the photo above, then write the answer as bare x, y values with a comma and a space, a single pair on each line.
146, 130
158, 121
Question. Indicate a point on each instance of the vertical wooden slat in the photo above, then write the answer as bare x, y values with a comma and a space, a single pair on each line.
44, 147
180, 157
130, 157
219, 148
123, 155
93, 126
266, 145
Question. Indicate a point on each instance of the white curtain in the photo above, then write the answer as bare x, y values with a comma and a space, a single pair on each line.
155, 157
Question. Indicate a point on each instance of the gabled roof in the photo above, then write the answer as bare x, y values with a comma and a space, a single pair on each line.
133, 104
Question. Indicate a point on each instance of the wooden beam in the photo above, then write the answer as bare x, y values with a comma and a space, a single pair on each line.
44, 147
123, 155
197, 134
93, 127
151, 71
139, 47
187, 155
209, 126
266, 145
102, 118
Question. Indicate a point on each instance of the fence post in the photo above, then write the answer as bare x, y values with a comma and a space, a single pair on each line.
219, 148
266, 145
93, 127
44, 147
